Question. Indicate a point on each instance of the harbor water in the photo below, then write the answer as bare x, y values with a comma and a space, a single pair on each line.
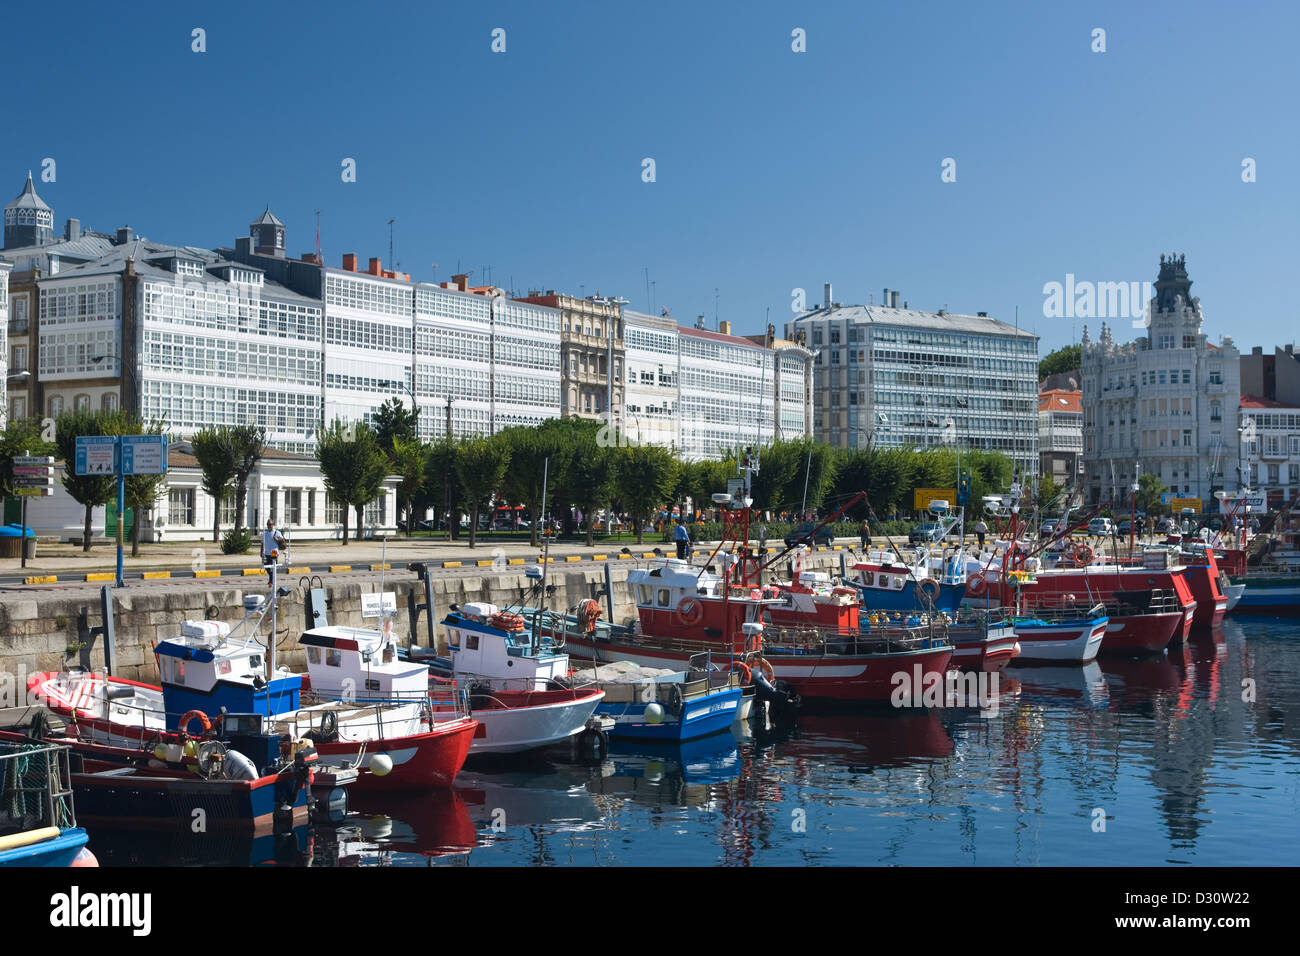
1188, 759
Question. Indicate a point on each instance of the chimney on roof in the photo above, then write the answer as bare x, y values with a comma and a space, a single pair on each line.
72, 231
309, 257
376, 266
893, 299
884, 298
826, 296
243, 246
724, 327
350, 261
699, 321
124, 235
982, 315
460, 281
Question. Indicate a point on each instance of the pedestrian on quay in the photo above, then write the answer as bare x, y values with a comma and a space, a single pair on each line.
981, 529
864, 532
272, 540
683, 539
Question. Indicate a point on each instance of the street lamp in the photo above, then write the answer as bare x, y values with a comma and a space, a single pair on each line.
135, 385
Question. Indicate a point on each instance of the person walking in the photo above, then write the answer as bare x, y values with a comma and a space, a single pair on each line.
683, 539
272, 540
864, 532
981, 529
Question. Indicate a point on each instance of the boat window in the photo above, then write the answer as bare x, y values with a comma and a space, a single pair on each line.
645, 593
223, 667
471, 642
333, 657
663, 597
453, 637
168, 668
313, 655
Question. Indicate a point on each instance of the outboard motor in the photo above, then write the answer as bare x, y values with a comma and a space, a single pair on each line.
779, 698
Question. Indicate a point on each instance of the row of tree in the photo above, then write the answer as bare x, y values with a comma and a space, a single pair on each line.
581, 466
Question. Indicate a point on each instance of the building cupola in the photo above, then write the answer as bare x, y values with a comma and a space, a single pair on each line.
28, 220
267, 233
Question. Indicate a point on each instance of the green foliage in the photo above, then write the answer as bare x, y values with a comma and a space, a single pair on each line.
535, 454
441, 486
1150, 488
21, 436
215, 450
249, 442
645, 478
353, 466
480, 466
1062, 360
408, 460
236, 541
393, 421
90, 491
141, 492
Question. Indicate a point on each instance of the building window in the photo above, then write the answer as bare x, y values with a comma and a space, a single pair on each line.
108, 401
81, 403
1216, 412
18, 359
228, 510
333, 511
293, 506
180, 506
17, 408
54, 406
275, 506
311, 507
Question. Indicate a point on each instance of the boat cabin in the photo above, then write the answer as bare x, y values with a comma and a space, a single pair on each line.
353, 663
677, 600
204, 670
490, 644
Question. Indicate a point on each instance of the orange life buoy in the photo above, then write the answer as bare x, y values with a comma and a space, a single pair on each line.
200, 716
928, 587
762, 663
1083, 555
745, 672
977, 585
690, 611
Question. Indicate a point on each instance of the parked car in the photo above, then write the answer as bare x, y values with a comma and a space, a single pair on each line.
1101, 526
1050, 527
926, 532
804, 535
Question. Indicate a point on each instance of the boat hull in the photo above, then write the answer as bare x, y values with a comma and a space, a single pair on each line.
700, 717
1269, 594
1078, 640
979, 648
56, 850
1143, 633
517, 721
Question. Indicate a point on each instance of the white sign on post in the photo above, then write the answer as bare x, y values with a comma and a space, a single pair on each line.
371, 606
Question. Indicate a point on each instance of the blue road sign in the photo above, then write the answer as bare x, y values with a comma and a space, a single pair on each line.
96, 455
144, 454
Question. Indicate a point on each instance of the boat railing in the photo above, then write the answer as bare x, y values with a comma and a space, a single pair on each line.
879, 640
1063, 613
35, 787
1160, 601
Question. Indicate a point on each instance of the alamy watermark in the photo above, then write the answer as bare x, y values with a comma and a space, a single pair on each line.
915, 688
1098, 300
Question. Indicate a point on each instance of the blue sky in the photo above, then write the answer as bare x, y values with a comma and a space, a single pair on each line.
775, 170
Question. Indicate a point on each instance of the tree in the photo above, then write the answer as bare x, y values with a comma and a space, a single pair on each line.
481, 464
215, 450
408, 462
21, 436
1150, 488
1048, 493
1064, 359
591, 477
249, 443
441, 483
353, 467
393, 421
535, 454
141, 492
646, 476
90, 491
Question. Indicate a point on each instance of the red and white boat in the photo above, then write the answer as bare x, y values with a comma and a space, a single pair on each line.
684, 610
396, 741
983, 640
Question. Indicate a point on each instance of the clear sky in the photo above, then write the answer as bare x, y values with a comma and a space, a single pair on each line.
774, 170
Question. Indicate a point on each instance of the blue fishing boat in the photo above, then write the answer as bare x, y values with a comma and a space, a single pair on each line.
37, 824
649, 703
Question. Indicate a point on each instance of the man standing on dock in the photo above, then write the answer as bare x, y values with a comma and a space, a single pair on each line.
683, 539
272, 541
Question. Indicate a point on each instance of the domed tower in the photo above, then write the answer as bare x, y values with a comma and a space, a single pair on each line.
268, 234
28, 221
